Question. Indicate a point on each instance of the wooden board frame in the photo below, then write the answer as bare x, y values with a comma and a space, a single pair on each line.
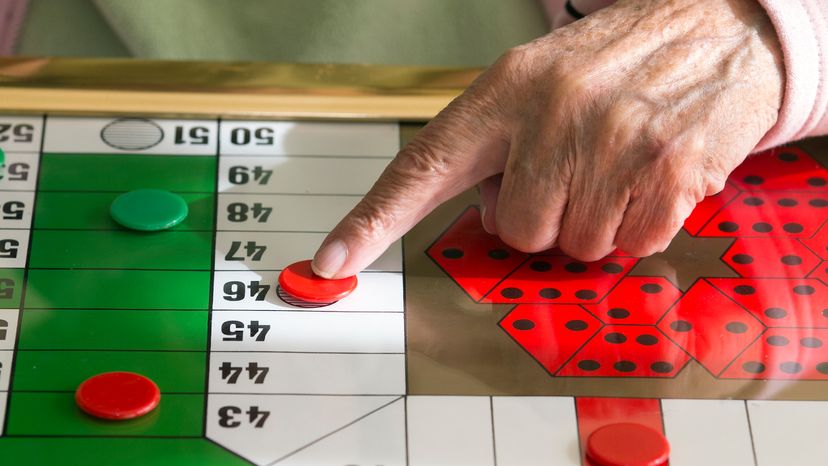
82, 86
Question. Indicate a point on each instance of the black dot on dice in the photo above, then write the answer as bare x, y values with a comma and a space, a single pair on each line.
818, 202
787, 202
754, 179
792, 227
817, 181
777, 340
651, 288
825, 313
576, 325
540, 266
753, 201
736, 327
615, 338
499, 254
511, 293
728, 227
661, 367
523, 324
810, 342
742, 259
646, 340
549, 293
681, 326
612, 267
744, 289
754, 367
822, 368
788, 157
791, 260
775, 312
618, 313
804, 289
624, 366
762, 227
452, 253
589, 365
791, 367
586, 294
576, 267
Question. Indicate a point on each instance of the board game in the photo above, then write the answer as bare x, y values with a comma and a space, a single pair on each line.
453, 349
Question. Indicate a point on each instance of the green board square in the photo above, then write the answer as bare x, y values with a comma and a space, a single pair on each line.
125, 172
113, 330
115, 451
57, 414
121, 249
172, 371
90, 211
117, 289
11, 284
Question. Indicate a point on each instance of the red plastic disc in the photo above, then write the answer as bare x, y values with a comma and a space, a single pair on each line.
299, 281
627, 444
117, 395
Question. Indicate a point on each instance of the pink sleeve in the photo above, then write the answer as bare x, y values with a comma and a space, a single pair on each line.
12, 13
802, 27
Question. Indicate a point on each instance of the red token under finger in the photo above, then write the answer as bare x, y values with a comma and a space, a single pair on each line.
627, 444
117, 395
299, 281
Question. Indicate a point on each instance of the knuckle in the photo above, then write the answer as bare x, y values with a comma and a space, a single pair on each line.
372, 221
420, 161
583, 249
523, 241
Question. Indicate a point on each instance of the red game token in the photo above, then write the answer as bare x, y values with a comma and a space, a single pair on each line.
299, 281
117, 395
627, 444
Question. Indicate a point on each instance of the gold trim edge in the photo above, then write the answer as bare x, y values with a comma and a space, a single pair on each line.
92, 86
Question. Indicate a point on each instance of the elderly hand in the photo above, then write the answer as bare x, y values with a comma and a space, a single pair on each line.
602, 134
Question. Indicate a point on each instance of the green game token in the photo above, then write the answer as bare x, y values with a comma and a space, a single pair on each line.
149, 209
2, 157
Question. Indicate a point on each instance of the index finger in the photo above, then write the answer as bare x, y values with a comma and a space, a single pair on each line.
461, 146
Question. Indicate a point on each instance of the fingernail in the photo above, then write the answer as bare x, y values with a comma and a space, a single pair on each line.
330, 259
483, 218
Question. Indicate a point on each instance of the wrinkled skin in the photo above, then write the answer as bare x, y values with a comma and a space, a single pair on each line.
602, 134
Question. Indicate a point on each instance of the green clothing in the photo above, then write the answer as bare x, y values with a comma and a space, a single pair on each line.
410, 32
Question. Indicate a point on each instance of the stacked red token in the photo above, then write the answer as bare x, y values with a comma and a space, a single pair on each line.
627, 444
299, 281
117, 395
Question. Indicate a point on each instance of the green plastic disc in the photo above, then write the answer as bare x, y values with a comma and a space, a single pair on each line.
2, 157
149, 209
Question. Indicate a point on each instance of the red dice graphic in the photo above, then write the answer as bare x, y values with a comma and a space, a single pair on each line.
779, 302
627, 351
819, 242
476, 260
784, 168
560, 280
778, 213
550, 333
636, 300
760, 257
820, 272
784, 353
710, 326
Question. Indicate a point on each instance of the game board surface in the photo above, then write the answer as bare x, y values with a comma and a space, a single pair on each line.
454, 348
